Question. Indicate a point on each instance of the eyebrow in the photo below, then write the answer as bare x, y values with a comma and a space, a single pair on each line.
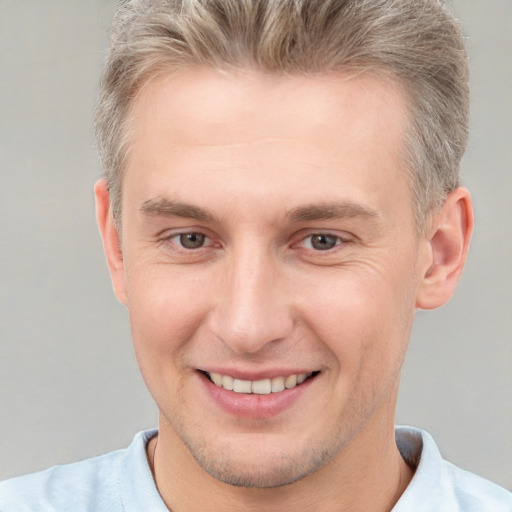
169, 208
326, 211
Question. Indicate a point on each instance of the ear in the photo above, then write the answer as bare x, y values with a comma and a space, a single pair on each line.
111, 239
446, 249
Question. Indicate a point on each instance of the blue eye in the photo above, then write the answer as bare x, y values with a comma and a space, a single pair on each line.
192, 240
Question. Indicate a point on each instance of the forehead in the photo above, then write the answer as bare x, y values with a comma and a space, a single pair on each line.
202, 99
199, 125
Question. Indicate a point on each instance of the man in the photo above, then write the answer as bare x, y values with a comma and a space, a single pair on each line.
281, 195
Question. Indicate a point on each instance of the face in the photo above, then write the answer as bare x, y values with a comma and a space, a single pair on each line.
268, 245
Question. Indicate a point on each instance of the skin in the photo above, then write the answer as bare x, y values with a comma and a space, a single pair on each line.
259, 165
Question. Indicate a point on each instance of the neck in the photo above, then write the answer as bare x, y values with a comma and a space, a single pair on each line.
369, 474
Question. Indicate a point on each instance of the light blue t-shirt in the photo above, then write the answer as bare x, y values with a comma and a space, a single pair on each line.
121, 481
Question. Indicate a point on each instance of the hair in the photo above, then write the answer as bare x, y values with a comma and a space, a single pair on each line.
418, 43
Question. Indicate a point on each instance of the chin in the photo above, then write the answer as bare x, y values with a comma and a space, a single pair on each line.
255, 469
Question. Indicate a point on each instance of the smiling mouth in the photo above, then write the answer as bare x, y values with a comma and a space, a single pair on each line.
259, 387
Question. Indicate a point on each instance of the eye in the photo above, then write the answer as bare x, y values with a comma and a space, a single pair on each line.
191, 240
321, 242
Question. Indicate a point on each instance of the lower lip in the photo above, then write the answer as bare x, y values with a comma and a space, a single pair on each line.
252, 405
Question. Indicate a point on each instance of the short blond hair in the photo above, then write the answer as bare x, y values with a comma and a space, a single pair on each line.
416, 42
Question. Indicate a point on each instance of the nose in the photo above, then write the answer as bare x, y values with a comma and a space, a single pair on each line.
251, 308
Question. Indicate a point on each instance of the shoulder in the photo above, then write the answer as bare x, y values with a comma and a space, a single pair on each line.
92, 484
67, 487
442, 486
474, 493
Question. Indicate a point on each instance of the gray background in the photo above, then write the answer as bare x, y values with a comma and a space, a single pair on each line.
69, 383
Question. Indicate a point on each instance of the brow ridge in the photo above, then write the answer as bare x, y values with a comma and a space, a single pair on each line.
331, 210
324, 211
169, 208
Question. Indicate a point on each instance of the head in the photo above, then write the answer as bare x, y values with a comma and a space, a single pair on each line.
270, 169
416, 43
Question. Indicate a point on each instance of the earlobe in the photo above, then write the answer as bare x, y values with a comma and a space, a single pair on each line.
111, 239
447, 246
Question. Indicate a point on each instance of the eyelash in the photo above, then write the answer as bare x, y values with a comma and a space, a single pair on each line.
178, 236
335, 239
177, 240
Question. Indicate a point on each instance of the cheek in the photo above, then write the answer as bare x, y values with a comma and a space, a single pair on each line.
363, 318
165, 313
163, 300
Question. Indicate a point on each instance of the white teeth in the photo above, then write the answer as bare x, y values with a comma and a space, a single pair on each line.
262, 387
216, 378
259, 387
277, 384
242, 386
290, 382
227, 382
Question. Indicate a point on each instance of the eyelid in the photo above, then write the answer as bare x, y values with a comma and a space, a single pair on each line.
339, 241
342, 239
300, 239
170, 236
